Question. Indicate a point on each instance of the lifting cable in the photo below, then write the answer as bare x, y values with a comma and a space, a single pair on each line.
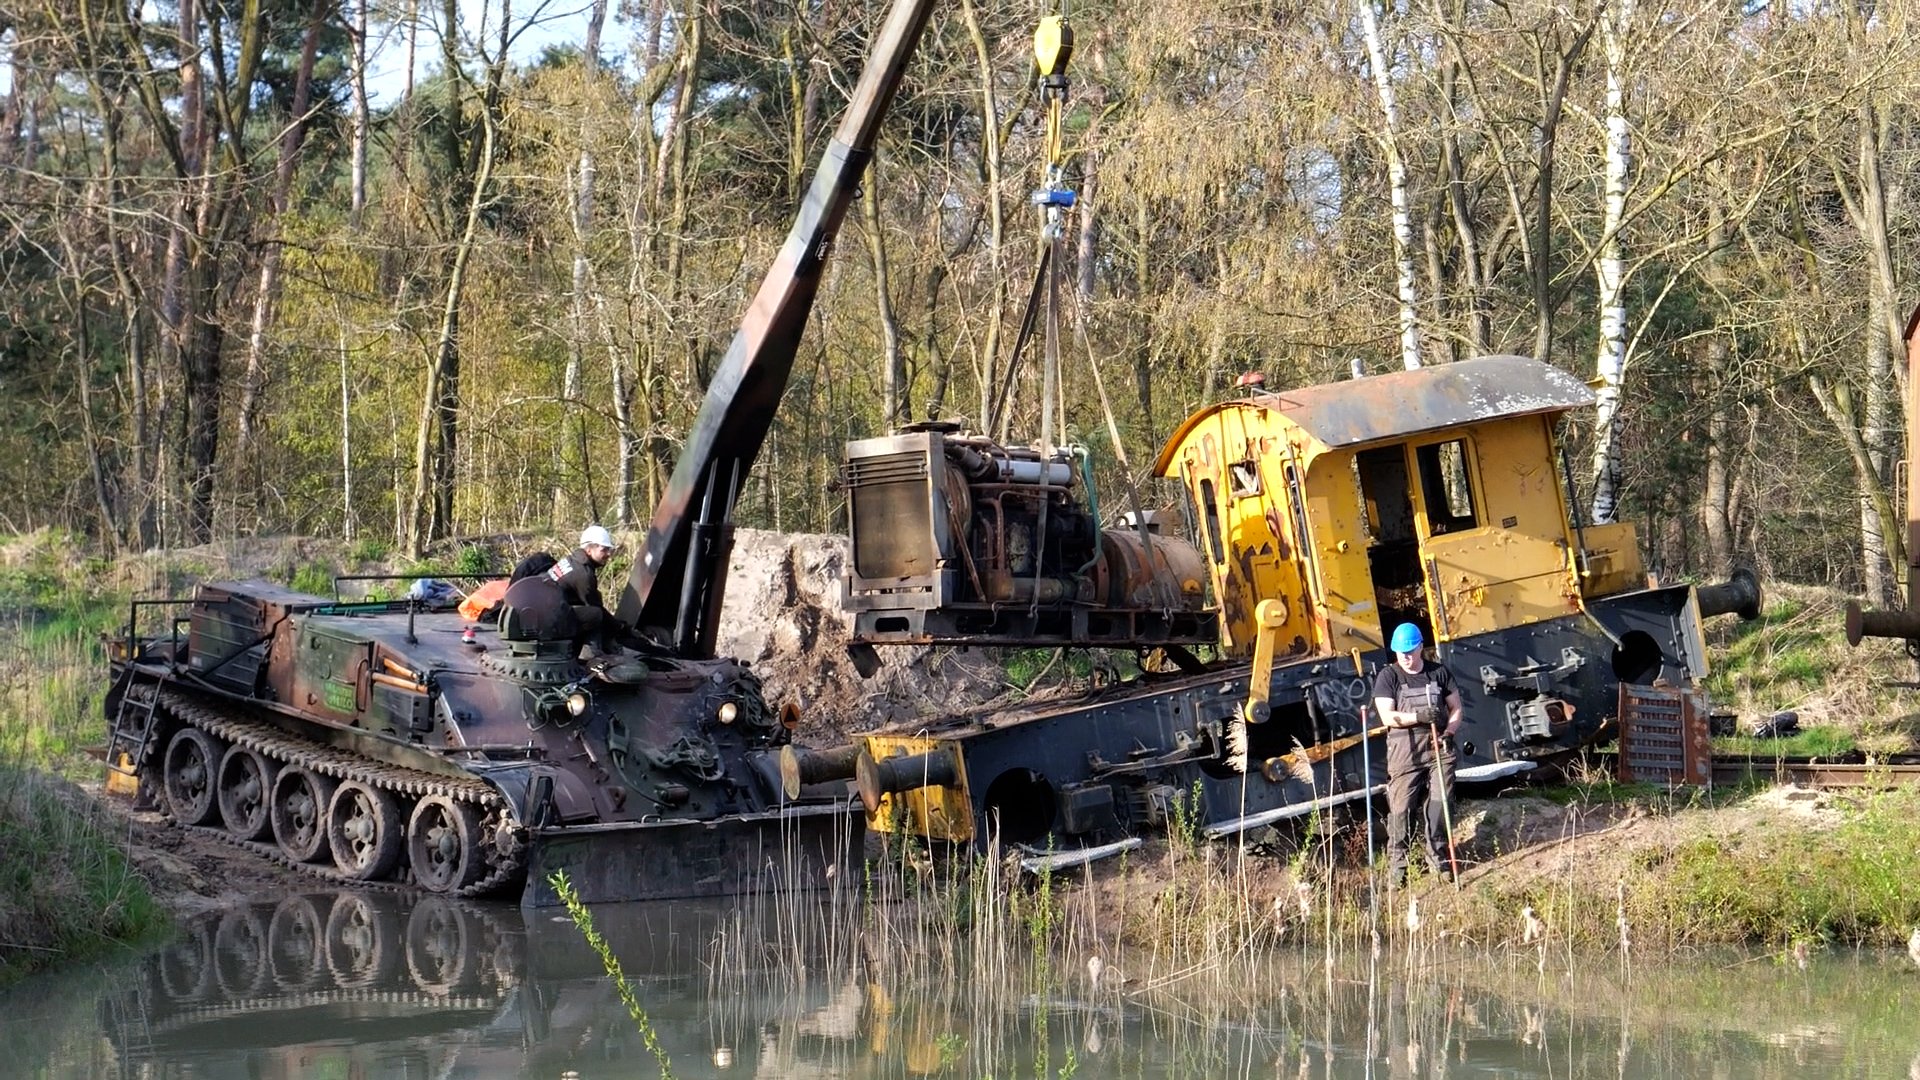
1052, 48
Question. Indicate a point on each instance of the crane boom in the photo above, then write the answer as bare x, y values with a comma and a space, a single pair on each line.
673, 593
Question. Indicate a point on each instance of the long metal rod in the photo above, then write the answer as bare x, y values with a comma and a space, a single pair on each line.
752, 377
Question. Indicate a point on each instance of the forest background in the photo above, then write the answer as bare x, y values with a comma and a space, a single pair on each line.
242, 294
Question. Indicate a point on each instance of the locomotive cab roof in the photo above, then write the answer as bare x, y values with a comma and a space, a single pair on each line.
1381, 408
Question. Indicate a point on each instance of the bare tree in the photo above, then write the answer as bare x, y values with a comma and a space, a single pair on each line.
1397, 184
431, 514
253, 381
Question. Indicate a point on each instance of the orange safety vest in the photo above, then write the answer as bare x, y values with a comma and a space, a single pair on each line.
483, 599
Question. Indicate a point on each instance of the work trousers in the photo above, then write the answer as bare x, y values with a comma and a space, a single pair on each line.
1411, 785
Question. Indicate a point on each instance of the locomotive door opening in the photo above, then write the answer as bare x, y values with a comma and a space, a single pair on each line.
1393, 540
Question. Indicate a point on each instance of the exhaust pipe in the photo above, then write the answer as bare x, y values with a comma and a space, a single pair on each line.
876, 778
1738, 595
799, 768
1904, 624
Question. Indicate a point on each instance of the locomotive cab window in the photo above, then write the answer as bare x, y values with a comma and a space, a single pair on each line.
1246, 478
1446, 486
1210, 516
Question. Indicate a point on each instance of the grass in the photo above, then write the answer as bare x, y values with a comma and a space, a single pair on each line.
53, 673
314, 578
67, 890
1824, 741
1744, 879
66, 887
1851, 884
1795, 656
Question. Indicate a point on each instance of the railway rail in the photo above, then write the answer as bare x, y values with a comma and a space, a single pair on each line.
1897, 770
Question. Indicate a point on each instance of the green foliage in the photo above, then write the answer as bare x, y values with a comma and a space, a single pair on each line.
67, 890
1823, 741
1027, 668
1184, 821
313, 577
369, 549
473, 559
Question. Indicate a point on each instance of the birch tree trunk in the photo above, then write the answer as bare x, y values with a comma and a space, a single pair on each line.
346, 440
357, 58
1616, 22
1836, 402
1882, 339
1715, 499
572, 421
1397, 183
253, 380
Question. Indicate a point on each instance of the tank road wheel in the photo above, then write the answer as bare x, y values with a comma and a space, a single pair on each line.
443, 843
361, 942
299, 812
240, 953
186, 969
193, 757
437, 945
246, 785
296, 941
363, 825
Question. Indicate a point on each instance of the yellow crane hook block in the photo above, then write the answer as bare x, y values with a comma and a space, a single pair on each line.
1052, 48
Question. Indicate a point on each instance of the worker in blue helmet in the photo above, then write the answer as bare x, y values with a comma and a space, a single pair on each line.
1420, 704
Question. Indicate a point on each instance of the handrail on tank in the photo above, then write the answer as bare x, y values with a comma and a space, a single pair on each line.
131, 641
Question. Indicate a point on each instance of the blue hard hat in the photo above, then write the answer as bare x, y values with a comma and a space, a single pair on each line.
1406, 638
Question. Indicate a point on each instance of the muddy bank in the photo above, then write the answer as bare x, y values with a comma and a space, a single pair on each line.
1612, 871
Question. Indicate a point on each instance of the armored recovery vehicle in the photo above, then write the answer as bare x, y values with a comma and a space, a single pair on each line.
1319, 518
369, 742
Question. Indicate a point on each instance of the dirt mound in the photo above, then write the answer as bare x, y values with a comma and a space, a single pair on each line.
782, 613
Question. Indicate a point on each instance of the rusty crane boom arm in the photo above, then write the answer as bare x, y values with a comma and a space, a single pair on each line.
673, 594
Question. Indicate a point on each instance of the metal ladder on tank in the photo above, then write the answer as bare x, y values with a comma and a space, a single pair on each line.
134, 1050
133, 720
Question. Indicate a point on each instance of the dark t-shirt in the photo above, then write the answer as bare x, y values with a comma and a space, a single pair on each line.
578, 579
1392, 681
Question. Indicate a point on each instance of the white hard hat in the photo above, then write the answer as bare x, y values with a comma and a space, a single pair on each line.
596, 534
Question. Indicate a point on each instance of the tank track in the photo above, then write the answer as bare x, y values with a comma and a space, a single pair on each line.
288, 749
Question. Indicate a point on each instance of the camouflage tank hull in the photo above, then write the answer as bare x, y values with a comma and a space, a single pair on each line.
378, 743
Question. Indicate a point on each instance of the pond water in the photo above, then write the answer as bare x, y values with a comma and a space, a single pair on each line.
351, 985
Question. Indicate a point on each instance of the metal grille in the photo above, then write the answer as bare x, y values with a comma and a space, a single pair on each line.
1664, 737
892, 533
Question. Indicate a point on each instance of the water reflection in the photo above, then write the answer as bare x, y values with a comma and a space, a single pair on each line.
368, 985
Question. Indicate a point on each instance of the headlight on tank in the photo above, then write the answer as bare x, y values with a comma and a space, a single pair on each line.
577, 703
728, 712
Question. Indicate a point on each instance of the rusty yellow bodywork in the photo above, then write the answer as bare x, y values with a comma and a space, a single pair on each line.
1431, 496
937, 811
1325, 516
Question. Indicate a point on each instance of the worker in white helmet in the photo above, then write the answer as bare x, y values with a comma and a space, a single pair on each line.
564, 602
